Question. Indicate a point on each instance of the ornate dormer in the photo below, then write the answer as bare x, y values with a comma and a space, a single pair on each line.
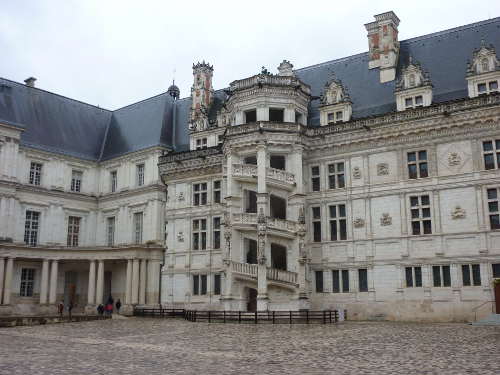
201, 96
336, 105
414, 88
483, 73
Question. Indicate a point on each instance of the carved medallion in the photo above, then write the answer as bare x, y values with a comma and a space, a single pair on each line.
458, 213
382, 169
358, 222
180, 197
356, 172
385, 220
180, 236
454, 159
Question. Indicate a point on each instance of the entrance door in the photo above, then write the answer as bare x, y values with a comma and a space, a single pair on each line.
497, 298
70, 280
107, 286
278, 257
252, 300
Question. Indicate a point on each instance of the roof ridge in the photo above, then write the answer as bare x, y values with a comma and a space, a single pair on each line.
140, 101
53, 93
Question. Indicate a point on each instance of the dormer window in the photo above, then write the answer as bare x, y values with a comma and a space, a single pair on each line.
412, 80
483, 73
414, 101
335, 104
485, 65
414, 88
276, 115
250, 116
201, 143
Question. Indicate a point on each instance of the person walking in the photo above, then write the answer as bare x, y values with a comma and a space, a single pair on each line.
70, 308
60, 308
100, 309
118, 305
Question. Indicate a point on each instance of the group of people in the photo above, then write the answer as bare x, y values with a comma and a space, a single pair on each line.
108, 307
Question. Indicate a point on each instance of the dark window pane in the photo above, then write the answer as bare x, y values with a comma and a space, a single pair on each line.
415, 226
203, 198
436, 275
496, 270
331, 168
476, 275
412, 156
409, 276
427, 227
423, 170
425, 200
418, 276
341, 181
487, 146
196, 285
316, 212
196, 200
446, 276
495, 221
216, 285
335, 281
340, 166
217, 196
203, 284
426, 212
492, 193
481, 87
422, 155
333, 211
195, 241
315, 171
363, 279
489, 161
465, 275
331, 182
343, 230
412, 171
317, 231
493, 85
493, 206
415, 213
315, 184
217, 240
341, 210
319, 281
345, 281
333, 230
497, 144
203, 240
414, 201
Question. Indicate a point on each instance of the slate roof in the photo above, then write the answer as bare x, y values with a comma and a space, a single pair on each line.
61, 125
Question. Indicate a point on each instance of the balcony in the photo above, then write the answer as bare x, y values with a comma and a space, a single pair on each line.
274, 276
280, 227
276, 177
245, 269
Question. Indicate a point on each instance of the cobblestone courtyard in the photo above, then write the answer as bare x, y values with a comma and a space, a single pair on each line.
153, 346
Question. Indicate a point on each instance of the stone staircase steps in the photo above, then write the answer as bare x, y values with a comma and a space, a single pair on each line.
492, 320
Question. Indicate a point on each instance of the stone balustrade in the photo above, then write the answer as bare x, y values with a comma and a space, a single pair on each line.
281, 224
281, 275
244, 170
244, 218
280, 175
244, 268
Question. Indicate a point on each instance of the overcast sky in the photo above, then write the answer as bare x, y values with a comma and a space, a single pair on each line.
114, 53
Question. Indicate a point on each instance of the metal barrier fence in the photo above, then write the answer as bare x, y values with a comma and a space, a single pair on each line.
160, 313
264, 317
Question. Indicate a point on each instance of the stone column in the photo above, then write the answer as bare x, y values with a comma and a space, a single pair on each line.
153, 282
261, 168
128, 286
2, 268
44, 282
135, 282
142, 282
100, 282
53, 281
8, 281
91, 288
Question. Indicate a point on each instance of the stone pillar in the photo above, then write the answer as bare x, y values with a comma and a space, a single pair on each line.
142, 282
261, 168
91, 289
2, 268
8, 281
135, 282
53, 281
44, 282
100, 282
153, 282
262, 298
128, 286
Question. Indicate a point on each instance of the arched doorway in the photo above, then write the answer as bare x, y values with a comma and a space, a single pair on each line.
252, 300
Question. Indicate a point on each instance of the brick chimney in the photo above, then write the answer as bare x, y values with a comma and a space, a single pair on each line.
383, 45
30, 82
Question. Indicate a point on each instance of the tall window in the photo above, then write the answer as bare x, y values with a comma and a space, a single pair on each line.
493, 208
138, 216
340, 281
35, 173
441, 276
363, 279
338, 223
491, 154
199, 285
417, 164
199, 234
336, 176
217, 284
316, 223
73, 230
414, 101
315, 178
413, 277
110, 221
471, 274
420, 215
140, 174
487, 87
201, 143
216, 233
27, 282
217, 191
319, 281
31, 226
76, 181
200, 194
114, 180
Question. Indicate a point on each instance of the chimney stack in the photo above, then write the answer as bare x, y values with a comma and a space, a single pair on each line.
30, 82
384, 45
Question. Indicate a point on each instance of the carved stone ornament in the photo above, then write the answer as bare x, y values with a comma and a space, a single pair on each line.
382, 169
454, 159
180, 197
356, 172
358, 222
385, 220
458, 213
180, 236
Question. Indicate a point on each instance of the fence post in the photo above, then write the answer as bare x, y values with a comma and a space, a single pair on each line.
290, 317
239, 316
273, 317
324, 316
224, 316
330, 316
209, 320
256, 317
307, 316
194, 316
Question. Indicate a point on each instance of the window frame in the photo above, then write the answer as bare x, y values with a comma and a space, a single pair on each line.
217, 191
495, 152
198, 234
216, 232
336, 175
493, 202
200, 285
138, 227
76, 183
319, 282
200, 194
27, 284
340, 222
31, 230
418, 163
35, 175
316, 229
343, 283
421, 219
113, 180
110, 234
74, 230
201, 143
217, 286
315, 178
441, 280
468, 269
413, 275
363, 288
140, 173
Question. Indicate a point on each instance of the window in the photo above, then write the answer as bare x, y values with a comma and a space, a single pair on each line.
338, 222
110, 229
114, 180
276, 114
27, 281
331, 118
35, 173
487, 87
250, 160
441, 276
201, 143
76, 181
216, 232
138, 227
315, 178
140, 174
484, 65
413, 102
251, 202
340, 281
336, 176
420, 215
250, 116
316, 222
73, 231
417, 164
217, 191
412, 80
492, 195
339, 115
277, 162
200, 194
31, 226
220, 140
413, 277
481, 88
199, 285
199, 234
493, 86
217, 284
298, 117
409, 102
495, 268
319, 281
419, 101
471, 274
363, 279
491, 154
